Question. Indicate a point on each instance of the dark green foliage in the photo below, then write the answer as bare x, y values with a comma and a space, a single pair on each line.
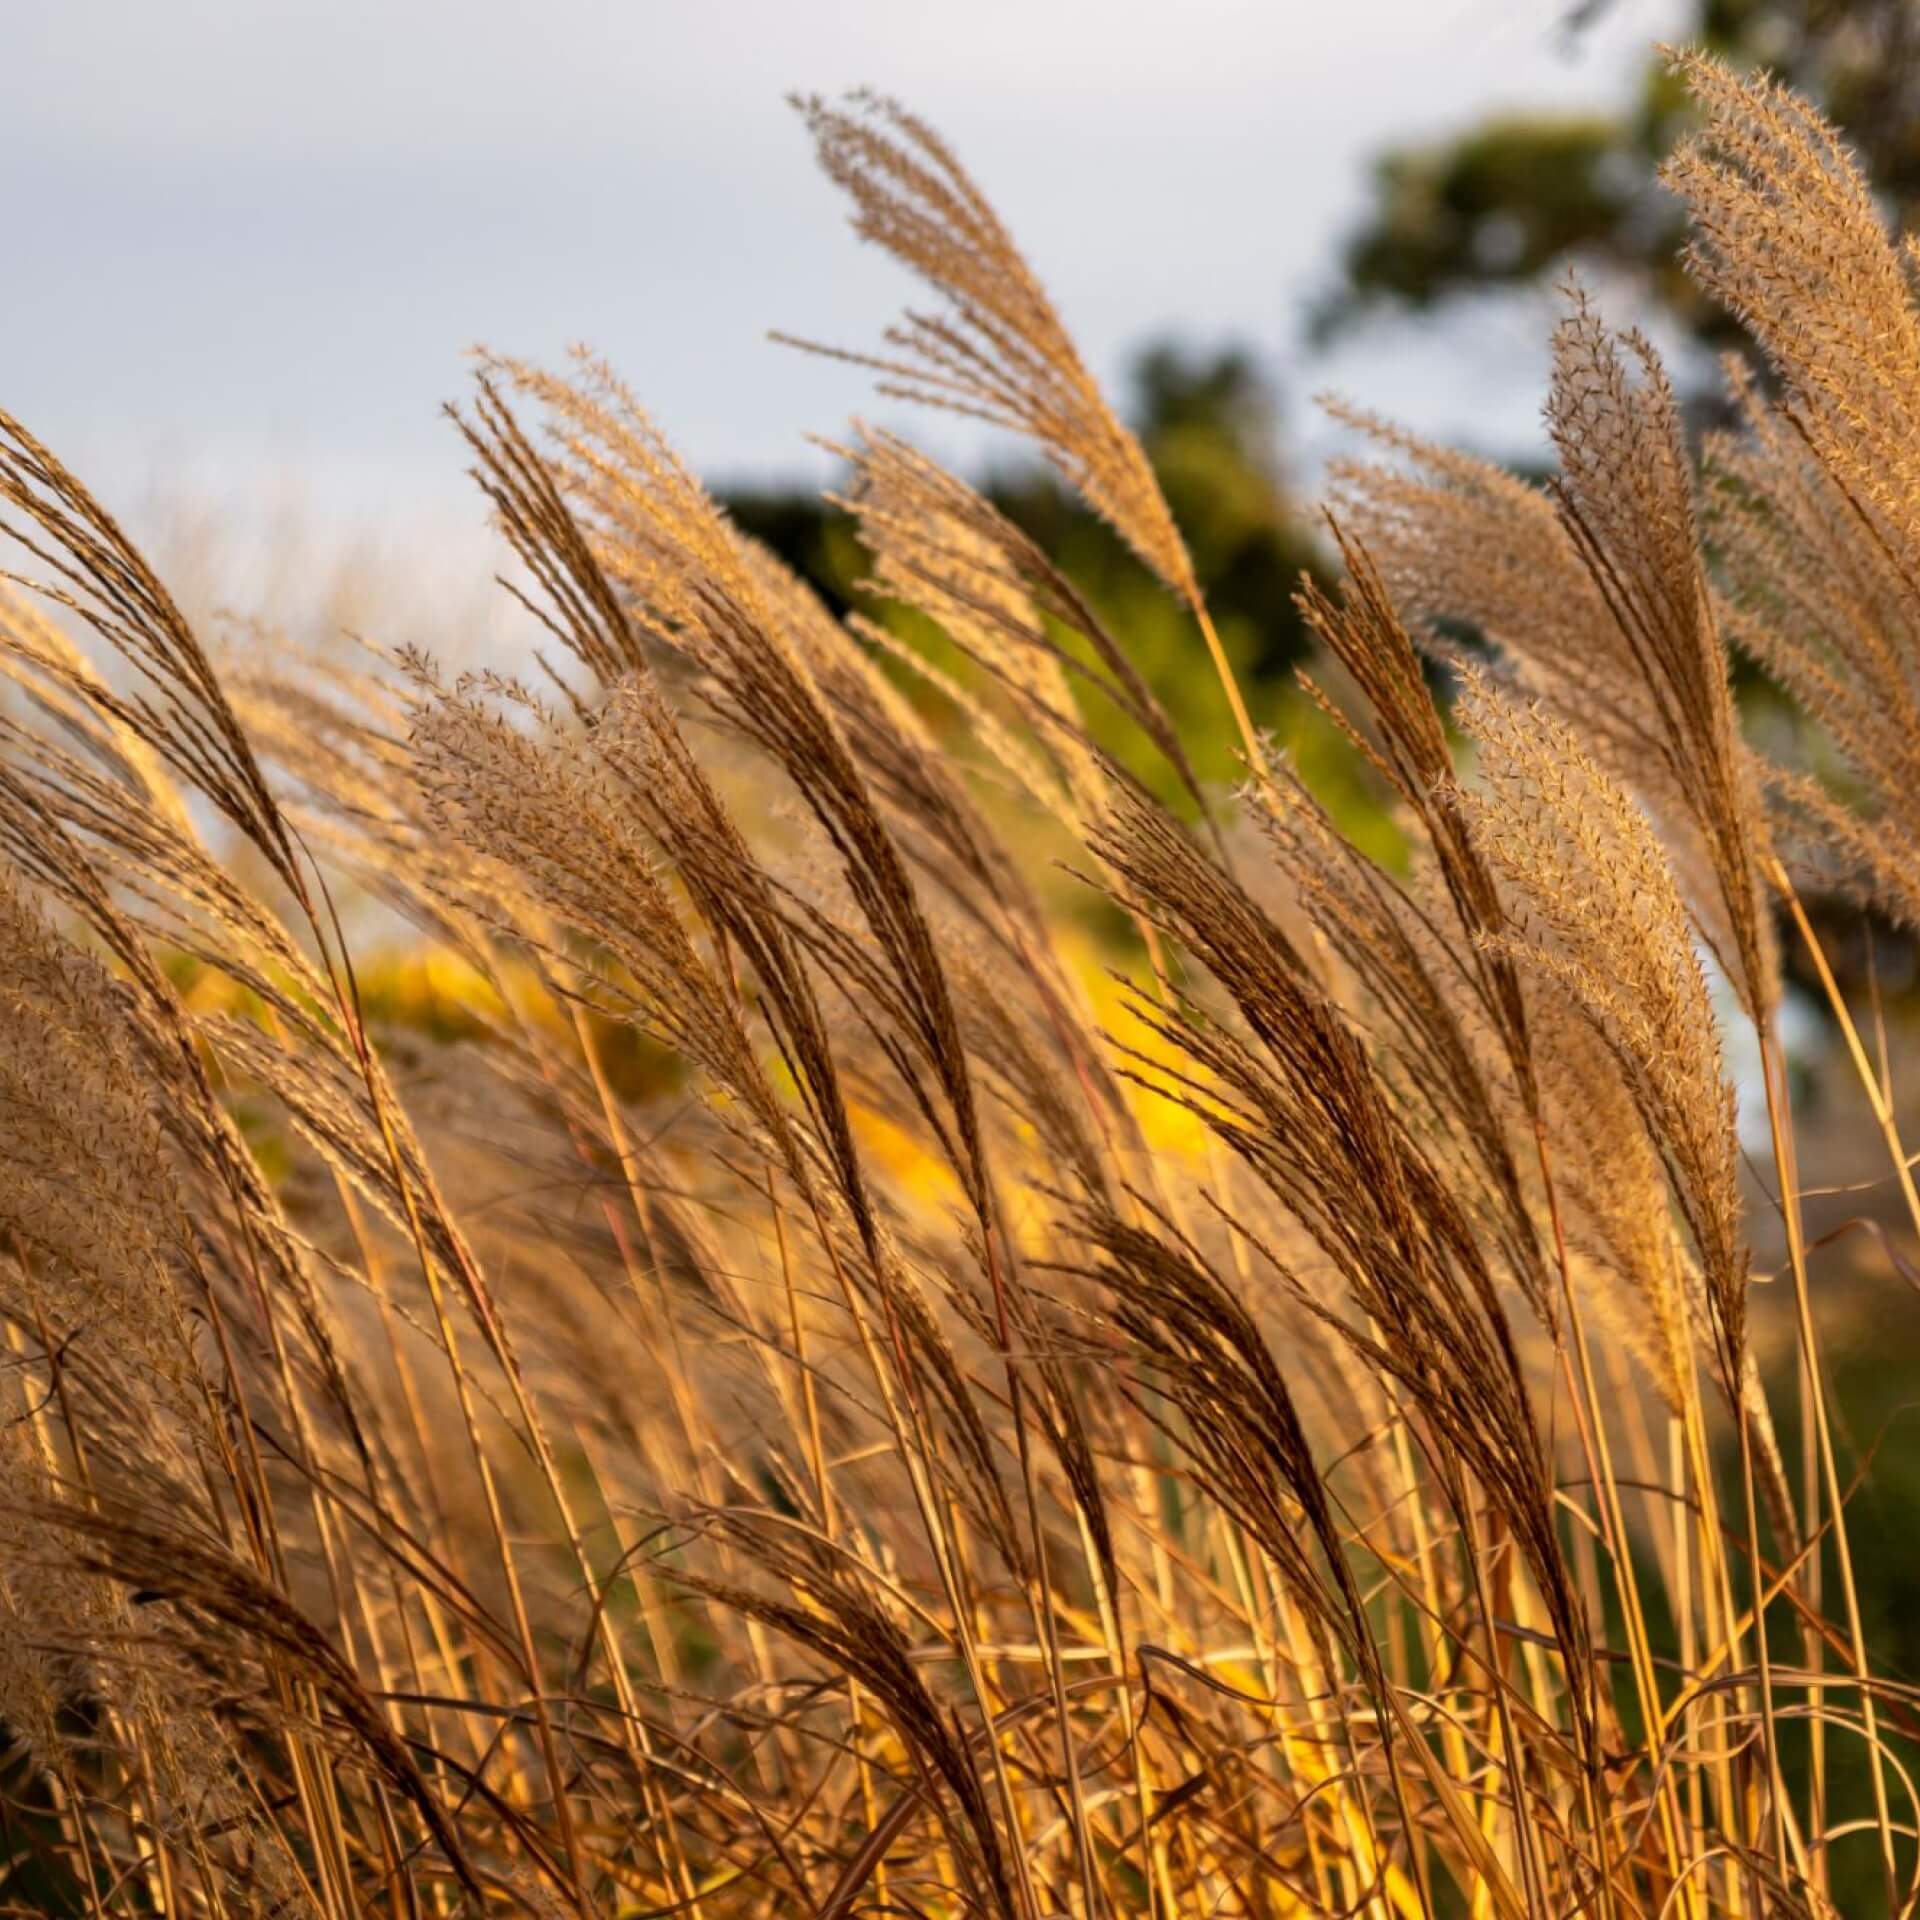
1511, 200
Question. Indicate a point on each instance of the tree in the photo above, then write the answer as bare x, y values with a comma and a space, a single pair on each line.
1512, 200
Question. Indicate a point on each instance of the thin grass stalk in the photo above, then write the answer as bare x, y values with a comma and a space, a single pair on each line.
1780, 1122
1043, 1601
1593, 1437
1870, 1080
153, 1871
1775, 1783
1230, 686
1722, 1618
910, 1436
496, 1519
373, 1267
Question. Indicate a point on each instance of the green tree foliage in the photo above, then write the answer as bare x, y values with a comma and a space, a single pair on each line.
1511, 200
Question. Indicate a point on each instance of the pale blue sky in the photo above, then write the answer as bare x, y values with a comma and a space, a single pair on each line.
250, 238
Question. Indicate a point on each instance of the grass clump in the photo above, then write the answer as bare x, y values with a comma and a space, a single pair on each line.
807, 1398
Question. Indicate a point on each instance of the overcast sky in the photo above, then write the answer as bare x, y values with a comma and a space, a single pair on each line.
250, 239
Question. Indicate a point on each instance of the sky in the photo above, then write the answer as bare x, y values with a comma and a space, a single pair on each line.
251, 240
